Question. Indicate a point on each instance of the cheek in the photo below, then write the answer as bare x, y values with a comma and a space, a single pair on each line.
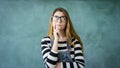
64, 26
53, 24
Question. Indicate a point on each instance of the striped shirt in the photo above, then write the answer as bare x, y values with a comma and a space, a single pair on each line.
50, 57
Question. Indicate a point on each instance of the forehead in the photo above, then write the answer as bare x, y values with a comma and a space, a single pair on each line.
59, 13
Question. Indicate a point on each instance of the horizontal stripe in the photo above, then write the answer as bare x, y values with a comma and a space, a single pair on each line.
78, 54
71, 52
43, 42
78, 48
53, 54
77, 45
61, 48
44, 47
76, 42
47, 41
79, 57
62, 42
52, 58
47, 50
78, 51
51, 61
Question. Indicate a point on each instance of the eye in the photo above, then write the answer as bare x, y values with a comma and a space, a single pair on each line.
63, 17
56, 17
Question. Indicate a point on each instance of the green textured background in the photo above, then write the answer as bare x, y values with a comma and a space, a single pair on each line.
24, 23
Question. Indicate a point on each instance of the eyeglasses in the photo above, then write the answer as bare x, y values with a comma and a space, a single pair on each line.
62, 18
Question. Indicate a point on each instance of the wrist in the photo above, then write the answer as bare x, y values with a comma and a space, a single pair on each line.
56, 39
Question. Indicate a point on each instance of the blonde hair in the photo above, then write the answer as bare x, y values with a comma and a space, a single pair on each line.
69, 30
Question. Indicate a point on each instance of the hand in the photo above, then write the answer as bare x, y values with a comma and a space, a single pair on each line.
56, 33
58, 65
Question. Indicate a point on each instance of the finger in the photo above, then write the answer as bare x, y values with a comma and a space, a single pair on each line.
54, 27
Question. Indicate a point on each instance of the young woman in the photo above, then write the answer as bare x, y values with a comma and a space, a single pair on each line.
62, 40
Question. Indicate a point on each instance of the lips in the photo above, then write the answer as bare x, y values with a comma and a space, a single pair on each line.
57, 25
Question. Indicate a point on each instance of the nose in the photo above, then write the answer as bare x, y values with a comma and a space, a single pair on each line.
59, 20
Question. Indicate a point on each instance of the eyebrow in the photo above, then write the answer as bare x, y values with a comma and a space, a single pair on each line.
58, 16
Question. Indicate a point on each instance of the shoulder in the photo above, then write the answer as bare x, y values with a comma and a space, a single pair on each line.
45, 39
76, 43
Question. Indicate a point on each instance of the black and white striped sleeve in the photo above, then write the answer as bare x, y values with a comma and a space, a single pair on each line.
79, 58
49, 56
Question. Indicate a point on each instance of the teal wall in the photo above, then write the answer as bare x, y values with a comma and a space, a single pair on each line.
24, 23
